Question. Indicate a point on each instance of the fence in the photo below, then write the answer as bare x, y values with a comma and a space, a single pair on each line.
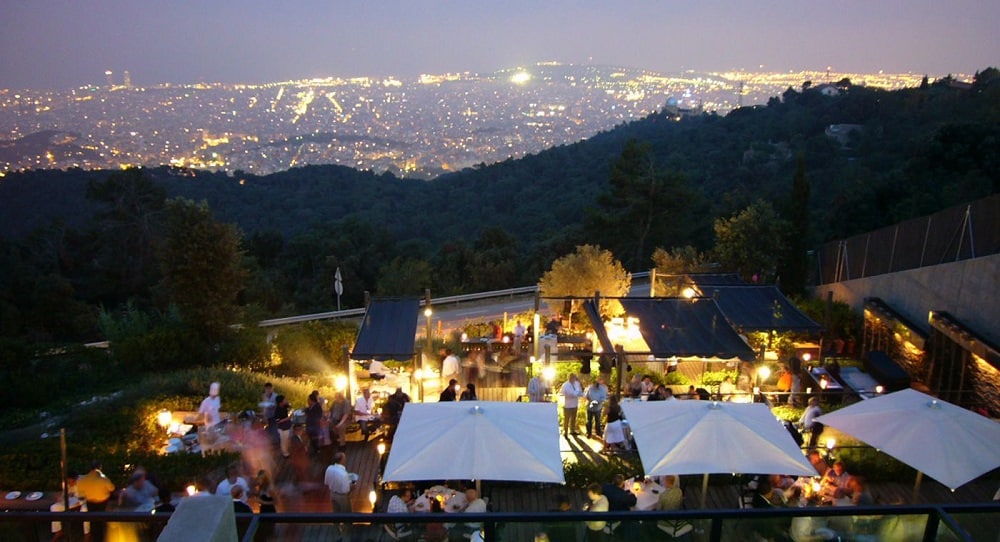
958, 233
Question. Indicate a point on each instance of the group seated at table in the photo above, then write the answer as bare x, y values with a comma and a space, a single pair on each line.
437, 499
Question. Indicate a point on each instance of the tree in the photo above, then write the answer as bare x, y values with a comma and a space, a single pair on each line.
750, 242
588, 270
642, 206
127, 230
201, 263
676, 261
404, 276
794, 267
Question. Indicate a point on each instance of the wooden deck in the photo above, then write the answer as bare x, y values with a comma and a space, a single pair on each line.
362, 458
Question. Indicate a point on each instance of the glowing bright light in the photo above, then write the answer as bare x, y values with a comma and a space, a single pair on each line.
764, 371
520, 78
191, 489
372, 497
830, 443
164, 418
688, 292
807, 356
428, 312
340, 382
380, 448
549, 373
879, 389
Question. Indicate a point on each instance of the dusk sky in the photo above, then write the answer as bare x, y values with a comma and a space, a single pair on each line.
66, 43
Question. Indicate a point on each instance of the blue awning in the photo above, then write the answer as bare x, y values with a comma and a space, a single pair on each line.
760, 308
388, 330
679, 327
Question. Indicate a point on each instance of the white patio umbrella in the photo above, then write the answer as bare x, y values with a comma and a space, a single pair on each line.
706, 437
477, 440
948, 443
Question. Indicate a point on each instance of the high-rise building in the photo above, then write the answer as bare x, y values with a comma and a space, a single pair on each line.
128, 79
107, 76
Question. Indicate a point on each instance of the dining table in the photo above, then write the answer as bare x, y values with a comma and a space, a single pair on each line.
12, 500
451, 500
647, 493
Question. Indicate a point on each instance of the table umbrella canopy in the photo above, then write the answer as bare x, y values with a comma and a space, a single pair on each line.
946, 442
708, 437
477, 440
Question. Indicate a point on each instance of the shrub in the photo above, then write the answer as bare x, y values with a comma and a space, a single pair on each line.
714, 378
583, 473
676, 378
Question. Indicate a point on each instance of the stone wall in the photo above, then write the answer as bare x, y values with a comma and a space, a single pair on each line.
966, 289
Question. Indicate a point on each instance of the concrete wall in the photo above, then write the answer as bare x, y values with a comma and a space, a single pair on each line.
966, 289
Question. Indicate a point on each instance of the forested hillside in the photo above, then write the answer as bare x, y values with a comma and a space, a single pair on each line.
865, 157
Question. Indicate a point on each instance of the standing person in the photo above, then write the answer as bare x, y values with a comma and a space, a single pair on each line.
808, 421
597, 394
314, 422
96, 490
519, 333
795, 367
364, 409
598, 503
283, 421
571, 392
553, 326
265, 493
210, 406
268, 403
450, 367
232, 480
339, 481
340, 417
536, 389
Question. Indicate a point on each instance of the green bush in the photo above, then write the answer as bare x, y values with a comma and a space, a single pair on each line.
787, 412
676, 378
714, 378
583, 473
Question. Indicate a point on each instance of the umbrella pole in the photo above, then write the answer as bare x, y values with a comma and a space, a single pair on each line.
916, 487
704, 490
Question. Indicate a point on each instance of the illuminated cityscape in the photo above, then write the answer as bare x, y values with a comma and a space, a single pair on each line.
418, 128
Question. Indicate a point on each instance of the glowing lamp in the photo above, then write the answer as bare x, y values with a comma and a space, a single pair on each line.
164, 418
340, 382
688, 292
428, 312
764, 371
830, 443
823, 382
807, 356
465, 337
879, 389
549, 373
191, 489
372, 497
380, 448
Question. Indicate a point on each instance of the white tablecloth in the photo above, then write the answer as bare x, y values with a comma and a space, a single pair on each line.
647, 494
454, 501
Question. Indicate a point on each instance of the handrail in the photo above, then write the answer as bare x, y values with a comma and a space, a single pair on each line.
447, 300
943, 513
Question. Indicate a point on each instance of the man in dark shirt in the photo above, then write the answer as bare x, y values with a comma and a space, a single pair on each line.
449, 393
621, 500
